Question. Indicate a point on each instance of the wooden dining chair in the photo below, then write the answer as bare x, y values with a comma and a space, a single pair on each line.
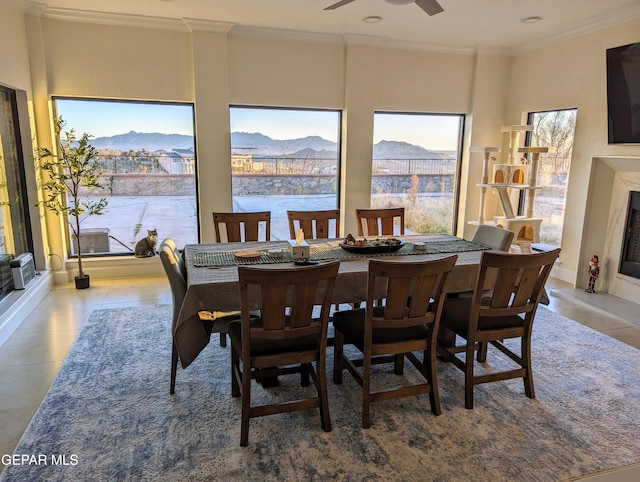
376, 222
242, 227
508, 313
174, 268
315, 224
286, 339
407, 323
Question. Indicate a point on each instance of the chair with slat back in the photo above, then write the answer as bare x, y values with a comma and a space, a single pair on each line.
379, 221
508, 313
285, 339
315, 224
407, 323
241, 227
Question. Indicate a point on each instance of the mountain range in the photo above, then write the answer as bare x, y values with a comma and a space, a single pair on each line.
258, 144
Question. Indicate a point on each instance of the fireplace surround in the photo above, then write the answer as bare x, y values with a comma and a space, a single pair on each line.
612, 179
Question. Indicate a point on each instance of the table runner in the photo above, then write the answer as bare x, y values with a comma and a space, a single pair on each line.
329, 250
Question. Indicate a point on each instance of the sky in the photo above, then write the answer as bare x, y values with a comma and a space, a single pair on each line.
103, 119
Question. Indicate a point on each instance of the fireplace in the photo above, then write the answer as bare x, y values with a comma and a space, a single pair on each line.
630, 259
612, 180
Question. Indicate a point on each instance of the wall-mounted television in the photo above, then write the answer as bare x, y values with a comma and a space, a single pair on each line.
623, 94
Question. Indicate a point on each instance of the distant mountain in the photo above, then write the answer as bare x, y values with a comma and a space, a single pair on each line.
314, 147
259, 144
404, 150
150, 141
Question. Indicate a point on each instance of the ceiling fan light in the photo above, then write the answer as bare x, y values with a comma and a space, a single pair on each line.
399, 2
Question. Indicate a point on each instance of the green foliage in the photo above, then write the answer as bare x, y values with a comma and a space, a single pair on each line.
74, 167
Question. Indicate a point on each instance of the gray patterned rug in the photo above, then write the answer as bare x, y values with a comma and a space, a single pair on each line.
109, 416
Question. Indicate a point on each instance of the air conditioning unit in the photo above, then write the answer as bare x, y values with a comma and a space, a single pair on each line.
23, 269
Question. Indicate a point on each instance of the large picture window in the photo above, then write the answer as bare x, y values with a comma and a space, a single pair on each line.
147, 152
284, 159
416, 164
552, 129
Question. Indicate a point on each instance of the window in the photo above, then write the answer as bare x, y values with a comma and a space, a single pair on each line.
14, 238
284, 159
551, 129
148, 157
416, 163
15, 228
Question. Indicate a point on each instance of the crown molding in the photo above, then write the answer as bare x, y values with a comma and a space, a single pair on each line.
285, 34
599, 24
199, 25
104, 18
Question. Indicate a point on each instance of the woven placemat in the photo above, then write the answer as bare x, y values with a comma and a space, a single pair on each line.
322, 252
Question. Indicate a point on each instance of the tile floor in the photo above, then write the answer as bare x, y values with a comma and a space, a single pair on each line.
32, 356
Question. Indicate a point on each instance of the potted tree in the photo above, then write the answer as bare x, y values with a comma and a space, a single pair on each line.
68, 173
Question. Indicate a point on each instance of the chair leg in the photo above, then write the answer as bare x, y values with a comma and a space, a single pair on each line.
235, 371
223, 340
398, 364
246, 406
321, 376
429, 362
174, 367
304, 375
526, 360
338, 350
468, 375
366, 390
482, 351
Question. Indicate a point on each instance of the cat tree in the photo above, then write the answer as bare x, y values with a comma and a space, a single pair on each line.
508, 180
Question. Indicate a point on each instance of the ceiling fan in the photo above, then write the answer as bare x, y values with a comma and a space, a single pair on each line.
430, 6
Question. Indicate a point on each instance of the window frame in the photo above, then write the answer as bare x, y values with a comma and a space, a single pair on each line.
339, 134
455, 212
66, 230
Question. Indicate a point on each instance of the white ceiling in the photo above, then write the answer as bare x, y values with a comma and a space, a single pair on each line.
464, 24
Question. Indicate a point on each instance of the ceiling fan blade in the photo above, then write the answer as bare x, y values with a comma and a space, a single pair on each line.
430, 6
339, 4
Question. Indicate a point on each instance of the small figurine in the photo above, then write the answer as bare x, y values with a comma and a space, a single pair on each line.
594, 272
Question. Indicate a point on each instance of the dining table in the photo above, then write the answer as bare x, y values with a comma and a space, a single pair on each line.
212, 275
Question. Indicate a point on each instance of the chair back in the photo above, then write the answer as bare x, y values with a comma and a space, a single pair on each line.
315, 224
242, 226
414, 292
376, 222
286, 298
518, 286
493, 236
175, 270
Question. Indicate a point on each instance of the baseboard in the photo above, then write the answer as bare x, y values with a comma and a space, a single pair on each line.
18, 304
563, 274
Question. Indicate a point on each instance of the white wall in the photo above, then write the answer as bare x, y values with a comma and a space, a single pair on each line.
14, 64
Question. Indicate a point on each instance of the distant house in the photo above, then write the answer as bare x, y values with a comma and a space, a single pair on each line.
178, 161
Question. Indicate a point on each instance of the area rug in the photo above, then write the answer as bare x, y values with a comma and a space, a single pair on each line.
109, 416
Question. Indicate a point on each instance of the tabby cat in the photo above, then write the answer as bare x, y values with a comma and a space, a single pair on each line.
146, 247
